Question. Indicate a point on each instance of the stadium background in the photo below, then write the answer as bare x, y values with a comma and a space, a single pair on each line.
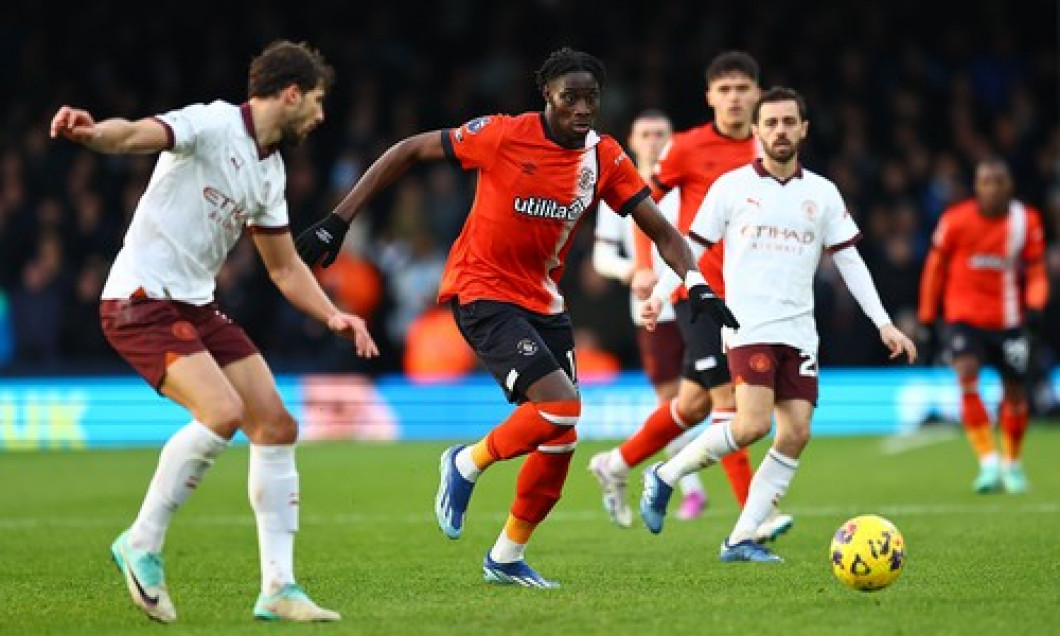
900, 107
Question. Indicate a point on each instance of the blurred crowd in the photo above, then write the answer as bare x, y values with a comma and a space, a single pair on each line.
900, 109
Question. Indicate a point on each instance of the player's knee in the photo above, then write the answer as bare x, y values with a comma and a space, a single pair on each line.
276, 428
224, 416
690, 414
752, 429
793, 439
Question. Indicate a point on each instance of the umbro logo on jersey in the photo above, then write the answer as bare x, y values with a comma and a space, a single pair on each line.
236, 162
754, 202
528, 167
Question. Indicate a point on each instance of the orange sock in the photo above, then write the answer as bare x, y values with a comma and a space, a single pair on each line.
517, 530
541, 480
1013, 423
480, 454
662, 427
977, 424
528, 426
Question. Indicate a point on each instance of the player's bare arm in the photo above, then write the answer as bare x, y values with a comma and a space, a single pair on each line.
678, 255
298, 285
672, 246
111, 136
322, 241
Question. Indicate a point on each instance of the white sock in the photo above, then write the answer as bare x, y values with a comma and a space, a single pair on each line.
990, 460
465, 466
769, 484
691, 483
272, 486
711, 445
616, 463
182, 462
506, 550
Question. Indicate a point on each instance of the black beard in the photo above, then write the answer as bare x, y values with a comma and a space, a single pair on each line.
289, 140
775, 156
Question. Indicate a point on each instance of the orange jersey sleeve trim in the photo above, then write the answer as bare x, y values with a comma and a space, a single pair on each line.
1037, 286
931, 282
642, 243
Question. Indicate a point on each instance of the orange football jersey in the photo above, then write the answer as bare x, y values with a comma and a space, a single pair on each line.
984, 270
693, 161
530, 197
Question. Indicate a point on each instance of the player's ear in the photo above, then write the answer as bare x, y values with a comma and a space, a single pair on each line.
291, 94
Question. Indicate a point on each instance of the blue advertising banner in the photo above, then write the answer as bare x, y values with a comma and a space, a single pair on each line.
73, 413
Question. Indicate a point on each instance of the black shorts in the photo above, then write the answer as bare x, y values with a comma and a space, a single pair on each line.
704, 359
1007, 350
518, 346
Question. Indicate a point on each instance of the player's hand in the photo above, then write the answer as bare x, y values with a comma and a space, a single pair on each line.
649, 312
354, 328
75, 124
897, 343
323, 239
643, 282
704, 301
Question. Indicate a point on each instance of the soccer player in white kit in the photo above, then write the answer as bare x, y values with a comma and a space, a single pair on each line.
660, 349
776, 219
219, 172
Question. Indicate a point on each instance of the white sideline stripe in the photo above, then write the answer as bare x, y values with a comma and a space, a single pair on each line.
595, 515
898, 444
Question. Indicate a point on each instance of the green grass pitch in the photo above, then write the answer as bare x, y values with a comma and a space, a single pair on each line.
369, 547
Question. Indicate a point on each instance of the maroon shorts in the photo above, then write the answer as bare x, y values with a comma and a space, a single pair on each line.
661, 352
150, 334
792, 374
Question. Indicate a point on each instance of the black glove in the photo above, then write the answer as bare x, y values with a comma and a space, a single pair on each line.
323, 239
1034, 321
704, 301
927, 343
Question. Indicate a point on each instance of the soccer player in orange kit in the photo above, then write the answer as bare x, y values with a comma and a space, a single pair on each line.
986, 270
538, 175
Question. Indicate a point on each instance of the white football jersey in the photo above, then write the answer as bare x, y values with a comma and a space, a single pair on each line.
617, 229
205, 188
774, 236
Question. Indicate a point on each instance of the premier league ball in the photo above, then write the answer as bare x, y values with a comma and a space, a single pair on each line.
867, 553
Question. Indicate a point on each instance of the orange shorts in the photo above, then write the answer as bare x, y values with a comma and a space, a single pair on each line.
150, 334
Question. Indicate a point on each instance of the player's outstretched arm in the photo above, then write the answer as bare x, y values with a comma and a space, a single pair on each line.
298, 285
111, 136
322, 241
859, 281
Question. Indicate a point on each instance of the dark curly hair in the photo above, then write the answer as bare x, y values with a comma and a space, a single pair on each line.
567, 60
283, 63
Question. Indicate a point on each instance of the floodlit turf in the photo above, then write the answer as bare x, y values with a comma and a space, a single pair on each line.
370, 548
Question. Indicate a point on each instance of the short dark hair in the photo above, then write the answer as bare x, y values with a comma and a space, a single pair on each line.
283, 63
731, 62
780, 94
652, 113
567, 60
